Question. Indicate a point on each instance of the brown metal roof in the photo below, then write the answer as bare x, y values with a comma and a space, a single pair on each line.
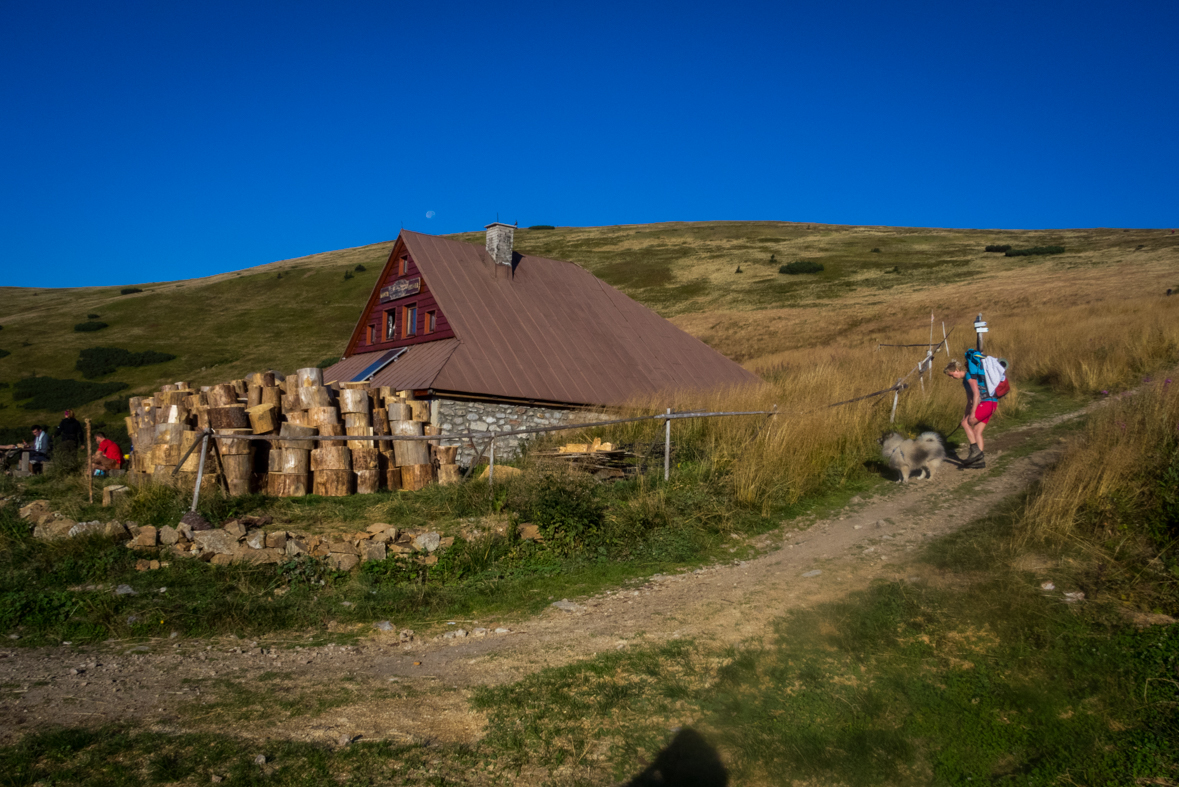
416, 369
550, 331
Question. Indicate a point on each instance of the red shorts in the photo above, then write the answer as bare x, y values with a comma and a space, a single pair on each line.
985, 410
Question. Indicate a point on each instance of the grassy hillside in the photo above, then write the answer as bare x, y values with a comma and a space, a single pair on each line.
294, 313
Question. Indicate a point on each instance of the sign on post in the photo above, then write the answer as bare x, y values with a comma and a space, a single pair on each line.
980, 327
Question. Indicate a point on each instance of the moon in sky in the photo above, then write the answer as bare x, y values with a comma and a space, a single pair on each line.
429, 214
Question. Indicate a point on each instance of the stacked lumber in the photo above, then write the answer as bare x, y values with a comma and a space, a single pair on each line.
295, 409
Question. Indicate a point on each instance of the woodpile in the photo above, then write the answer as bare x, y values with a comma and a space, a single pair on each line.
295, 410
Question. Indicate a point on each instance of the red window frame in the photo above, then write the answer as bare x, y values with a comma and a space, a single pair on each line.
409, 320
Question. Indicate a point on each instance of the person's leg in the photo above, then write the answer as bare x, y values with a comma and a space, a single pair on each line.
969, 428
978, 434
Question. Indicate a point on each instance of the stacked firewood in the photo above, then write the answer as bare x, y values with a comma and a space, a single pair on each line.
294, 410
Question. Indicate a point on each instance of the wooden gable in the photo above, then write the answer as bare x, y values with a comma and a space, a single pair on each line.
401, 292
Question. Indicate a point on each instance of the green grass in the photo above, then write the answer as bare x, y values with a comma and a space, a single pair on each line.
969, 675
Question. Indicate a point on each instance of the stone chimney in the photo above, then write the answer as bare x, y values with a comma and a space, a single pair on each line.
499, 243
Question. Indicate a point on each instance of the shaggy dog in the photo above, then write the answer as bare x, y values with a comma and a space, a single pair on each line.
909, 456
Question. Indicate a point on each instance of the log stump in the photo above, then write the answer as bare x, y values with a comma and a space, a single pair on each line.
354, 401
294, 430
310, 377
333, 483
449, 475
368, 481
263, 418
232, 417
332, 457
415, 477
221, 395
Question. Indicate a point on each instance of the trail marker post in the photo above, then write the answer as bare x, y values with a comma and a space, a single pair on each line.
980, 327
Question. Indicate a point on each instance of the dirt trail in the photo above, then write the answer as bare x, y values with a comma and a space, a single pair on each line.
383, 689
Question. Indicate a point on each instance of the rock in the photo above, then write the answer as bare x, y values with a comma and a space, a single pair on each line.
378, 527
814, 573
216, 541
427, 542
479, 632
528, 532
195, 522
428, 560
399, 549
216, 779
184, 531
260, 759
392, 532
221, 559
344, 548
52, 529
256, 521
142, 565
146, 537
342, 561
36, 511
405, 636
112, 529
125, 590
383, 625
565, 605
250, 555
446, 543
296, 547
234, 528
256, 539
503, 631
152, 565
276, 540
168, 535
373, 550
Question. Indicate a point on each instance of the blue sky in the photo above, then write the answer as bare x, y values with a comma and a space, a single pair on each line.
146, 141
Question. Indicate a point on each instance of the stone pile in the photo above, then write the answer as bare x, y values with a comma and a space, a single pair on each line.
243, 540
164, 426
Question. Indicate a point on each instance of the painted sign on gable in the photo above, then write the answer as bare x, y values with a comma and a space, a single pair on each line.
400, 289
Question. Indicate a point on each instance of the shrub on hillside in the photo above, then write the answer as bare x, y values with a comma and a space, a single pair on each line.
801, 266
129, 290
97, 361
4, 353
91, 316
120, 405
48, 393
998, 249
360, 269
876, 250
542, 227
1034, 250
326, 362
347, 275
92, 325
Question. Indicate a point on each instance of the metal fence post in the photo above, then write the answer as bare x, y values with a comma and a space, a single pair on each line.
196, 493
667, 447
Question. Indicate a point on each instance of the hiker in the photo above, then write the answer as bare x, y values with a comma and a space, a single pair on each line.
40, 448
108, 457
68, 436
980, 404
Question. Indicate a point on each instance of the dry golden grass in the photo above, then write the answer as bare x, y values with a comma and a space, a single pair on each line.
1108, 472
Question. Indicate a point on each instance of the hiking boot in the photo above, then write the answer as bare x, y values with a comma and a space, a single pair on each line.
977, 463
973, 456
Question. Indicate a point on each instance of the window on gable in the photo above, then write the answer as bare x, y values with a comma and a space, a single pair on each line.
390, 332
371, 335
403, 266
409, 320
431, 321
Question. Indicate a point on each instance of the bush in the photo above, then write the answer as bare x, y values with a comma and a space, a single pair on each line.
565, 507
48, 393
360, 269
998, 249
4, 353
542, 227
92, 325
347, 275
876, 250
279, 276
326, 362
801, 266
91, 316
1034, 250
116, 406
97, 361
129, 290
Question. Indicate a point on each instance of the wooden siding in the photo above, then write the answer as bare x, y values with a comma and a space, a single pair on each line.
374, 314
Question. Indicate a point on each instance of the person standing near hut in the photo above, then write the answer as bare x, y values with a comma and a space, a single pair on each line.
68, 436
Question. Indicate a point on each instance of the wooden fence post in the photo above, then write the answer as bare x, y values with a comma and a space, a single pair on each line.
89, 463
667, 447
196, 493
491, 464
